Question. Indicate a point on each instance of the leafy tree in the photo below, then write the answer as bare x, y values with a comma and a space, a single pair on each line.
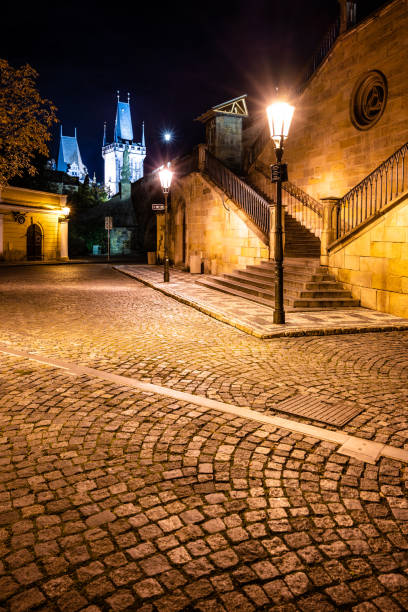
25, 121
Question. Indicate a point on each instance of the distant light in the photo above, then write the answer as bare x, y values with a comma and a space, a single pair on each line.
167, 136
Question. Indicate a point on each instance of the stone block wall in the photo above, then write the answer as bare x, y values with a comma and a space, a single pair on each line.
214, 228
373, 264
326, 154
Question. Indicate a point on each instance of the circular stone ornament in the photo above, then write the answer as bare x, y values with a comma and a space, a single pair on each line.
368, 99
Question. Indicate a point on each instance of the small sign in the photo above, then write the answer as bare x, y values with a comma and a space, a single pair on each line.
108, 223
158, 207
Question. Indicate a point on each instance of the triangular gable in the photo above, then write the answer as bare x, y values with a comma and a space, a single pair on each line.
237, 106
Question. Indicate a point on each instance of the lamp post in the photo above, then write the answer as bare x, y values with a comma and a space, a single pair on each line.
165, 176
279, 118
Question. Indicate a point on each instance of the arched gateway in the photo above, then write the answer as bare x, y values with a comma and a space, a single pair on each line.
34, 242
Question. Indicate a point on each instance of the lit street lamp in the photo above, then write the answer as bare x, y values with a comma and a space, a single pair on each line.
166, 175
168, 137
279, 118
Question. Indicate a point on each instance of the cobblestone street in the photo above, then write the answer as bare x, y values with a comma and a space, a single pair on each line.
116, 499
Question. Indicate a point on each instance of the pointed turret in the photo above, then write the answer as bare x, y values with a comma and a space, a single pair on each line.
69, 157
104, 134
123, 123
123, 157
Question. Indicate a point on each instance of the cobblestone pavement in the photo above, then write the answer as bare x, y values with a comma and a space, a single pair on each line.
256, 319
112, 499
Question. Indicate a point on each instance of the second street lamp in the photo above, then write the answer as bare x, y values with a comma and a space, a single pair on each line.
166, 176
279, 118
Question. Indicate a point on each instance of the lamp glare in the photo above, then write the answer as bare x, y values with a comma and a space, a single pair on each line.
279, 118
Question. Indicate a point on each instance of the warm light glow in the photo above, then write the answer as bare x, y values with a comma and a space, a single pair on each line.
165, 178
167, 136
279, 117
65, 211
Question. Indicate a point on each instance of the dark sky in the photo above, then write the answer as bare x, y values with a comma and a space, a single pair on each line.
175, 60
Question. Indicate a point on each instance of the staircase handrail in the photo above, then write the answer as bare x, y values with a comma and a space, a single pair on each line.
303, 197
374, 192
249, 200
320, 55
295, 191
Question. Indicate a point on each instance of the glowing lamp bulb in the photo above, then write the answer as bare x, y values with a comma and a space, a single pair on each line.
279, 118
167, 136
65, 211
165, 176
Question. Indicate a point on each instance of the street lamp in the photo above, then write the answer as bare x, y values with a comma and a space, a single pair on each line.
279, 118
168, 137
165, 175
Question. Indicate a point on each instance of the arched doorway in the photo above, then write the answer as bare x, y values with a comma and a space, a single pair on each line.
34, 242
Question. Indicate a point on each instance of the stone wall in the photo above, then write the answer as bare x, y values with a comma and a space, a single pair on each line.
326, 153
373, 263
204, 222
40, 208
15, 235
224, 140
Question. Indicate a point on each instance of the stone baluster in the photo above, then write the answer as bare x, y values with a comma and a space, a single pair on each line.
329, 232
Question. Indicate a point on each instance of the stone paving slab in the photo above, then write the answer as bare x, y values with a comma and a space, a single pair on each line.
256, 319
115, 500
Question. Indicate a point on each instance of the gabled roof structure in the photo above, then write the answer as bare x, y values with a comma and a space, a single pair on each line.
69, 155
236, 107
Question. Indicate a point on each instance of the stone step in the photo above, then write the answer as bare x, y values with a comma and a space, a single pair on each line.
261, 279
307, 285
231, 291
325, 303
334, 293
291, 294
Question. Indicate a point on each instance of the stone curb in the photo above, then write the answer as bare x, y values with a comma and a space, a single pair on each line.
368, 451
281, 333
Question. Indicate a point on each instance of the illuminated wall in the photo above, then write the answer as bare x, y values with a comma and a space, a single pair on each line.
326, 154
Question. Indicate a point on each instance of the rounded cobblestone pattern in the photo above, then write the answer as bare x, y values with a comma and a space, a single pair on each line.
112, 499
94, 316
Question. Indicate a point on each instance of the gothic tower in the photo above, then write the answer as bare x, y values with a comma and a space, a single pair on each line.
122, 141
69, 157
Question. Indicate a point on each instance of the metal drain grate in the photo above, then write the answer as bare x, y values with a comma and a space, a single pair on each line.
311, 407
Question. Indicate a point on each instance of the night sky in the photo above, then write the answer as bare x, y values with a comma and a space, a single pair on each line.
176, 61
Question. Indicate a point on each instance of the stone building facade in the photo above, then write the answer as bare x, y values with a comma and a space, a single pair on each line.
351, 116
33, 225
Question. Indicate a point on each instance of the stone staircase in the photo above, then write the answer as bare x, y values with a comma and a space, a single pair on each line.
306, 285
299, 241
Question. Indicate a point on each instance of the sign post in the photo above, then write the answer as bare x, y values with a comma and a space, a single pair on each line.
108, 226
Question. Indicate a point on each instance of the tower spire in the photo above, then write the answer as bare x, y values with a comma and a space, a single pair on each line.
118, 95
61, 130
128, 97
143, 135
104, 134
75, 133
